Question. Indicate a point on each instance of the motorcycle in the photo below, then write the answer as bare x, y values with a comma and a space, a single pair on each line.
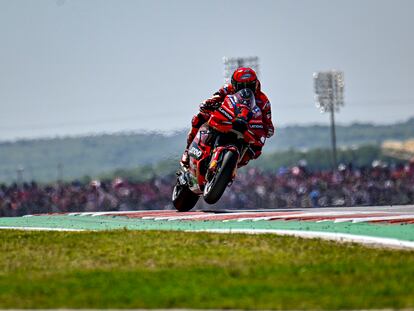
217, 150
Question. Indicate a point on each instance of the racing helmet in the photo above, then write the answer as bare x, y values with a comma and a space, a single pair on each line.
244, 78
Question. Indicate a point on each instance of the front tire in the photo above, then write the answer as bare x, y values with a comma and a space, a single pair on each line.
215, 188
183, 198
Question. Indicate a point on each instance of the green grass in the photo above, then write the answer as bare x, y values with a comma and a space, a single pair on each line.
152, 269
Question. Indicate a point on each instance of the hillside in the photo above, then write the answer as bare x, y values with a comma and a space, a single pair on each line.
94, 155
316, 136
81, 156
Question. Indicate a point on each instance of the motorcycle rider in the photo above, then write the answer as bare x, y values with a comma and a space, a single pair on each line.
242, 78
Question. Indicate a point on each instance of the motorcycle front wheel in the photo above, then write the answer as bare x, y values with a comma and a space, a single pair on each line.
216, 186
183, 198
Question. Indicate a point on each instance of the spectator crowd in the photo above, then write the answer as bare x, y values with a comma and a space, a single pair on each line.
292, 187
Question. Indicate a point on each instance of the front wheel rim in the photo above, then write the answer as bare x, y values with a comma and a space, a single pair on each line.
209, 185
175, 193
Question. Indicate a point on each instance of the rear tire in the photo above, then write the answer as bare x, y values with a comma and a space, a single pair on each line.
183, 198
215, 188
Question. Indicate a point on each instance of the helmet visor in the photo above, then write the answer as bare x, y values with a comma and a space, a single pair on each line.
244, 85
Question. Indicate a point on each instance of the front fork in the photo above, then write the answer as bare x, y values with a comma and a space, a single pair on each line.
217, 158
182, 176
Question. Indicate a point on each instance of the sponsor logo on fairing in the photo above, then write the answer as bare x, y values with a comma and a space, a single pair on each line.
232, 100
225, 113
195, 152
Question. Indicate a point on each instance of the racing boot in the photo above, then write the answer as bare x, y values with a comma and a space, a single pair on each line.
185, 159
252, 153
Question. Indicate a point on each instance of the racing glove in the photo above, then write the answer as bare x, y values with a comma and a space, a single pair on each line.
240, 124
211, 104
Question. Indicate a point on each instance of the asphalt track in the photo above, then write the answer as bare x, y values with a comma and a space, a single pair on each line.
390, 226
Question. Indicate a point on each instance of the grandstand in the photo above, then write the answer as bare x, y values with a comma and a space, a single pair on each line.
399, 149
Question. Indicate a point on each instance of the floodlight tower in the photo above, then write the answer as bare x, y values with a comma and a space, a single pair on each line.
19, 173
232, 63
329, 97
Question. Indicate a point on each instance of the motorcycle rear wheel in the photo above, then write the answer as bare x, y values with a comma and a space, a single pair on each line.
183, 198
215, 188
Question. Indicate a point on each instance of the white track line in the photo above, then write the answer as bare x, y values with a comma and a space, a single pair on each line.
382, 218
310, 214
171, 218
247, 214
100, 213
107, 213
333, 236
42, 229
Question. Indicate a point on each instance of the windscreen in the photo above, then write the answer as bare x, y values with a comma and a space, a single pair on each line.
246, 97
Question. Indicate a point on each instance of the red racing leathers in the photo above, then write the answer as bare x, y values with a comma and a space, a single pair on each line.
215, 102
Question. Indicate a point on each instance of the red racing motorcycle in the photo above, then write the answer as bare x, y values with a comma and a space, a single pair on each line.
217, 149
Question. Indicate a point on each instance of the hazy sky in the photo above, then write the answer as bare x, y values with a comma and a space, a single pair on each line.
81, 66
